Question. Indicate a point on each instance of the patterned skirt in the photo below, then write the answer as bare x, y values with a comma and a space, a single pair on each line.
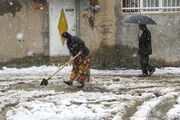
81, 69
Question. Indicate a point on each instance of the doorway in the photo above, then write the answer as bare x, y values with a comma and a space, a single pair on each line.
62, 17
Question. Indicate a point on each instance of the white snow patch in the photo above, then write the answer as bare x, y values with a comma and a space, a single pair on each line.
174, 113
163, 71
19, 36
29, 53
51, 105
70, 106
143, 112
11, 3
14, 97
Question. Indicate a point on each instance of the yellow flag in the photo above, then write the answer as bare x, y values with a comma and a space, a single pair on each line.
63, 26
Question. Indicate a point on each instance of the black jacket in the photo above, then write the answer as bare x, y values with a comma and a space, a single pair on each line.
75, 44
145, 43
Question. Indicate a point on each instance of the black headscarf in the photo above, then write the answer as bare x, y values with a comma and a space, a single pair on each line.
66, 35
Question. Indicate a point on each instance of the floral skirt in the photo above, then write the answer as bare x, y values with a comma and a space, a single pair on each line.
81, 69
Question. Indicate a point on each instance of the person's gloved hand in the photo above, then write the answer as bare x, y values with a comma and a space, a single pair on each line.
71, 59
80, 52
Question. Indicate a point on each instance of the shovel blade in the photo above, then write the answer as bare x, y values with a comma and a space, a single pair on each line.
44, 82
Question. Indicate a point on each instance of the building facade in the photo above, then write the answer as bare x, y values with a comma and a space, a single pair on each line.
31, 30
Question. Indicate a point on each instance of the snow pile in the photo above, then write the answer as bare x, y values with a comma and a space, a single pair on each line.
144, 111
14, 97
163, 71
148, 95
69, 106
74, 106
30, 70
174, 113
65, 70
128, 83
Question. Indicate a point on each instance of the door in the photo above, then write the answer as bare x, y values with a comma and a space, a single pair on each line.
60, 10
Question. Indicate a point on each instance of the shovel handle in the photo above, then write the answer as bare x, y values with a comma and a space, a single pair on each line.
63, 66
44, 82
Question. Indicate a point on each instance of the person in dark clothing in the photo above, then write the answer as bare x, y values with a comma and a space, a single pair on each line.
81, 65
145, 49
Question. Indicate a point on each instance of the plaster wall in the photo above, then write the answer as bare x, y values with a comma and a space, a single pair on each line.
113, 43
24, 29
165, 35
103, 30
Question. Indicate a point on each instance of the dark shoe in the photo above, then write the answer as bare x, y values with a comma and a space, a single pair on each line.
151, 71
68, 82
81, 85
143, 75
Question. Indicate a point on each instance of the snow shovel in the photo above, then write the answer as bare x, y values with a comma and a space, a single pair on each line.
44, 82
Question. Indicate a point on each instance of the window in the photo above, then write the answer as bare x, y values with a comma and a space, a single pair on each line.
150, 5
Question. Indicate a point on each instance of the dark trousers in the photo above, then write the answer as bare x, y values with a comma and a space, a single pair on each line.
145, 66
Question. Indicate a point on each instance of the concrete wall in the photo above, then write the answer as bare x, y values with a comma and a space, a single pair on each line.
24, 29
101, 35
113, 43
165, 36
103, 30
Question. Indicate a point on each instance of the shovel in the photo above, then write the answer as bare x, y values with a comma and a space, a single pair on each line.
44, 82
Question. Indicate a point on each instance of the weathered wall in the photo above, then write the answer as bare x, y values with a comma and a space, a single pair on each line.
24, 29
103, 30
113, 43
99, 33
165, 36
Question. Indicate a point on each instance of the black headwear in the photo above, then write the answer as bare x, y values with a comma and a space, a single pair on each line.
66, 35
143, 25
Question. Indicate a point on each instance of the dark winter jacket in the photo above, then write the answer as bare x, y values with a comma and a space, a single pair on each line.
75, 44
145, 43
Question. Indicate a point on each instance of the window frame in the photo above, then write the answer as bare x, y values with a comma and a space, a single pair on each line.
161, 8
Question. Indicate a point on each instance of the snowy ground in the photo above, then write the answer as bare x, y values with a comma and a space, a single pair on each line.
110, 95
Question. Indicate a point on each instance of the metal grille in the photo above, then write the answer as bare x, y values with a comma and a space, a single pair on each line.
150, 5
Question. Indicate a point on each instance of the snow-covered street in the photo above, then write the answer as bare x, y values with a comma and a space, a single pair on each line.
109, 95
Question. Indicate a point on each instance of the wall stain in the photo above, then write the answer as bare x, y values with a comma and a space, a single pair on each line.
105, 28
36, 60
9, 6
120, 56
106, 57
112, 57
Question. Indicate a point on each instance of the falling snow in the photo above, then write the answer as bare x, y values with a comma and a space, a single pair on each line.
19, 36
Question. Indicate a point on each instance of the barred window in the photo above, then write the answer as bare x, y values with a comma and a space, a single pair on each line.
150, 5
